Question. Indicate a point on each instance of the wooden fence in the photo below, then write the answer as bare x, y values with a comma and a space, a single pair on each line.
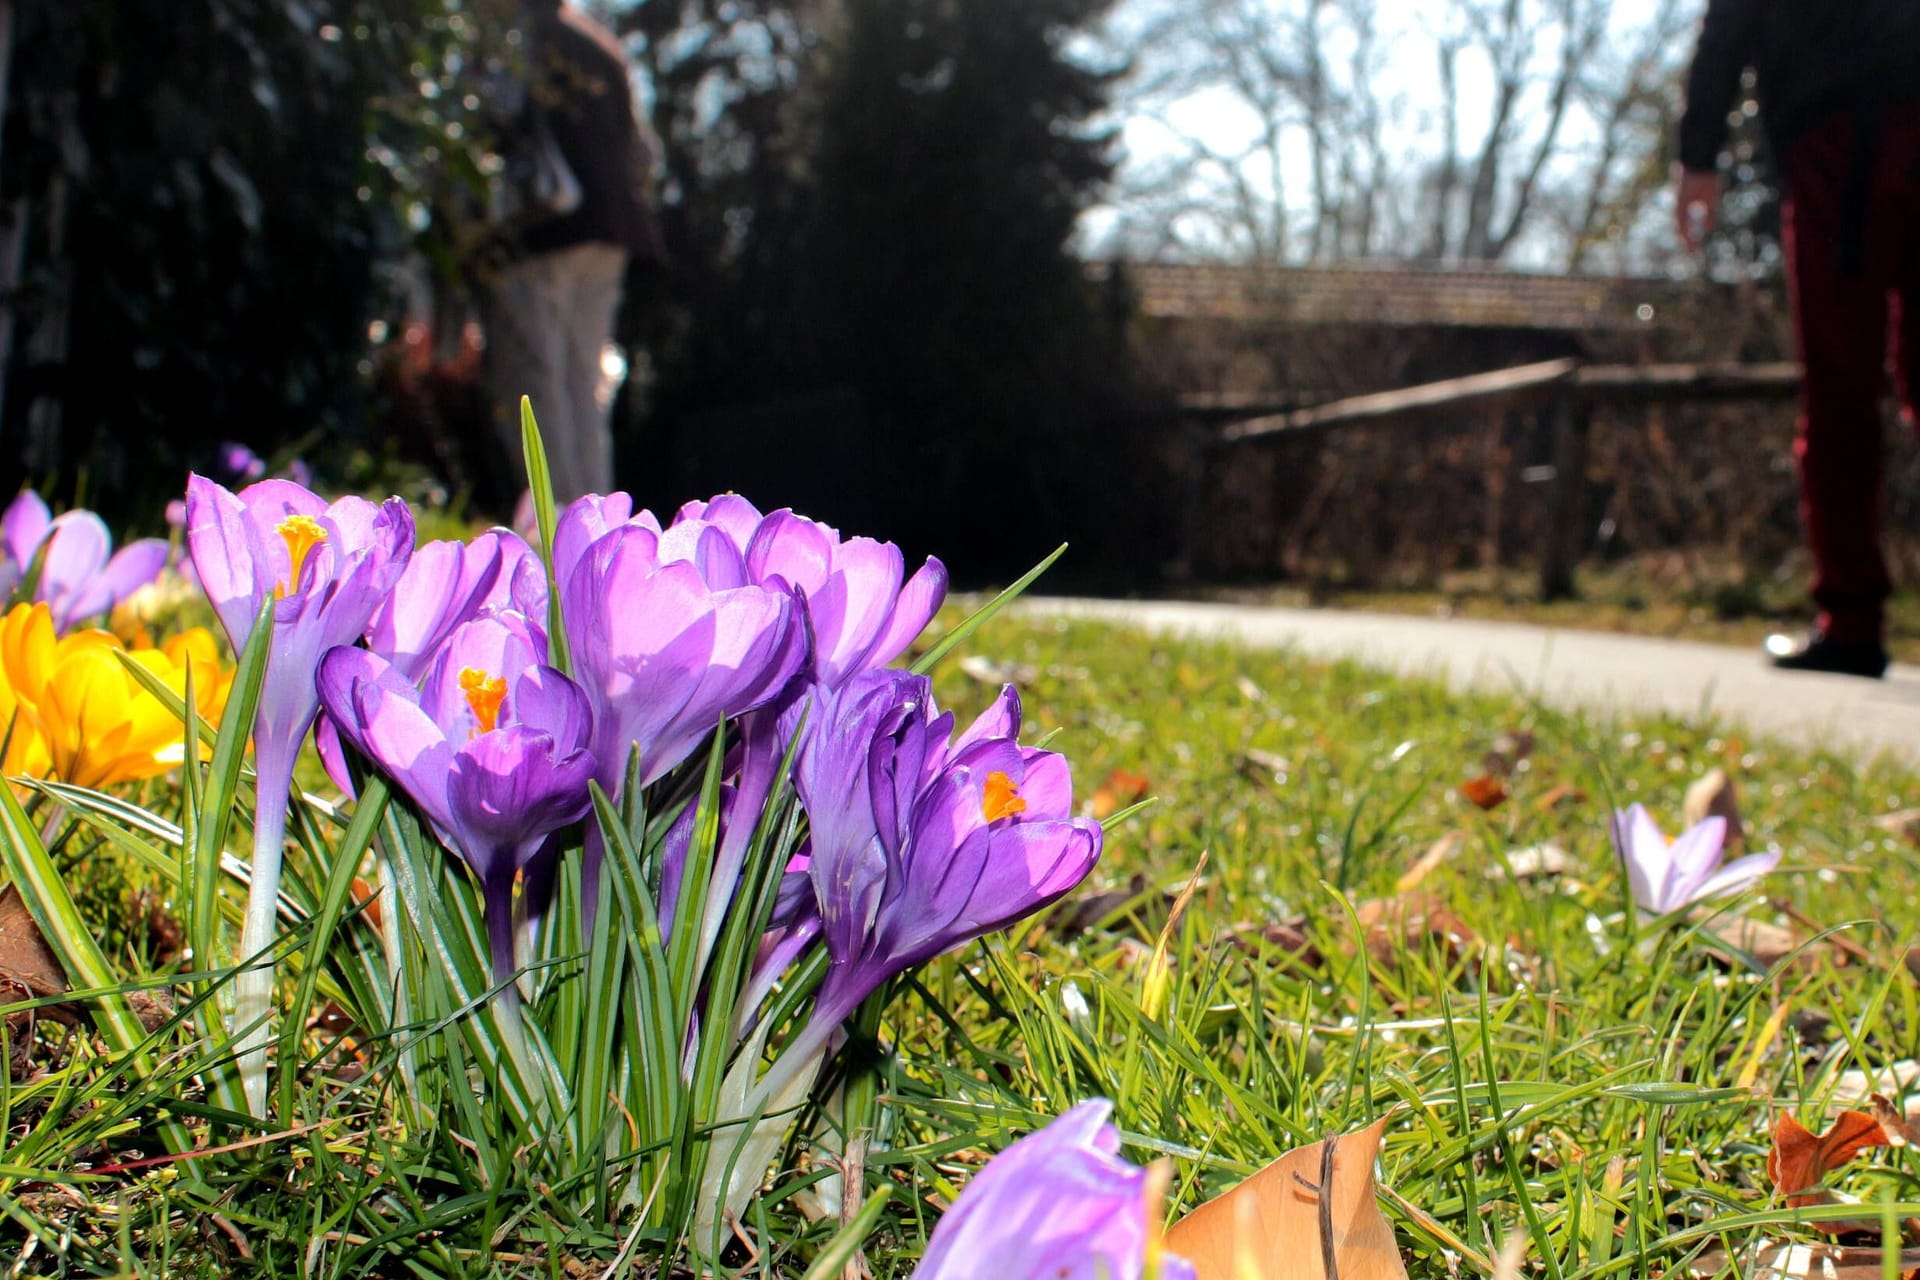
1567, 389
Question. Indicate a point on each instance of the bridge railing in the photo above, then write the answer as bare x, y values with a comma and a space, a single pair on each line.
1567, 389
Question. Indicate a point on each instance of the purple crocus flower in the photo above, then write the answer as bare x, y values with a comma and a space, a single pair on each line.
1666, 877
82, 577
666, 644
492, 747
325, 568
589, 519
1059, 1204
861, 613
918, 844
444, 585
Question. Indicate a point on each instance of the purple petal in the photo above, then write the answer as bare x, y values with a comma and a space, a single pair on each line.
543, 699
77, 549
507, 791
1001, 720
374, 708
919, 600
235, 567
1644, 851
794, 548
131, 568
1059, 1203
1737, 875
1693, 855
24, 527
732, 513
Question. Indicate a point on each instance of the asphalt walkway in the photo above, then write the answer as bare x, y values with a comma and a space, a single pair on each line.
1603, 671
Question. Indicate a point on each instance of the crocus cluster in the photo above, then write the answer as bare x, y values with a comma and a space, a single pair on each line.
71, 711
1666, 876
1060, 1202
434, 664
81, 576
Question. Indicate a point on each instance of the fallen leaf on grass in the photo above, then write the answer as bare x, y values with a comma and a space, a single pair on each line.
1437, 853
1509, 751
1800, 1159
1265, 766
1713, 796
1289, 937
28, 967
1902, 822
1807, 1262
1077, 915
1120, 789
1901, 1127
1851, 1088
1768, 944
1485, 791
1558, 794
1409, 922
1310, 1215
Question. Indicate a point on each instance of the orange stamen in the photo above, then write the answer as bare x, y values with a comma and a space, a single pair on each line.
484, 694
301, 534
1002, 799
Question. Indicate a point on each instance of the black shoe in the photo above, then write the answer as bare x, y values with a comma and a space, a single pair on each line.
1812, 651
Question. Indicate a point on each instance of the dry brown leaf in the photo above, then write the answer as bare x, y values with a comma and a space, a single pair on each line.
1806, 1262
1769, 944
1438, 852
1409, 921
1800, 1160
1558, 794
28, 967
1714, 796
1310, 1215
1265, 766
1853, 1087
1485, 791
1902, 822
1902, 1129
1289, 937
1509, 750
1120, 789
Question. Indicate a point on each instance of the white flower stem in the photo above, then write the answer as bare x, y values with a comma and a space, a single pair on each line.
253, 987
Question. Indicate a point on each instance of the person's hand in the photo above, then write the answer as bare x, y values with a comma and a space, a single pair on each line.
1696, 205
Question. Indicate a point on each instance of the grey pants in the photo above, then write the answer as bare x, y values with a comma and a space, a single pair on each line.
549, 319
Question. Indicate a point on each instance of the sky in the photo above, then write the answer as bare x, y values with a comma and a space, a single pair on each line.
1154, 133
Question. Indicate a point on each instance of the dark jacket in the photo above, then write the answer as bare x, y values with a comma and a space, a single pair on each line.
578, 81
1810, 59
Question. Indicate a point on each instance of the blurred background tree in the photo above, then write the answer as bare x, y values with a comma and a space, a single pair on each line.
206, 206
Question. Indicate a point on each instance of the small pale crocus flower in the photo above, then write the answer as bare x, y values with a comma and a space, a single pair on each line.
1060, 1204
81, 576
1666, 876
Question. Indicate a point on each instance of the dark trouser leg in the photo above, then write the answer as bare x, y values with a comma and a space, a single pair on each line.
1840, 323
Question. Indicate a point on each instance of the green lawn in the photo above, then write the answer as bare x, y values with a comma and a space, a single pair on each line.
1553, 1069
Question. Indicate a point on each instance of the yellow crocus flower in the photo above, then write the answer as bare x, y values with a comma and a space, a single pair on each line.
93, 723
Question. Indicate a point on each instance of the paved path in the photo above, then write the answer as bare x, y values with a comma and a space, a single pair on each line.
1584, 668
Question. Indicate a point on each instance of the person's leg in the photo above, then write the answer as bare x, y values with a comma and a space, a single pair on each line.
595, 275
1903, 140
526, 356
1840, 324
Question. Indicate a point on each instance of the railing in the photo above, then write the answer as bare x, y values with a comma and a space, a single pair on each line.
1568, 388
